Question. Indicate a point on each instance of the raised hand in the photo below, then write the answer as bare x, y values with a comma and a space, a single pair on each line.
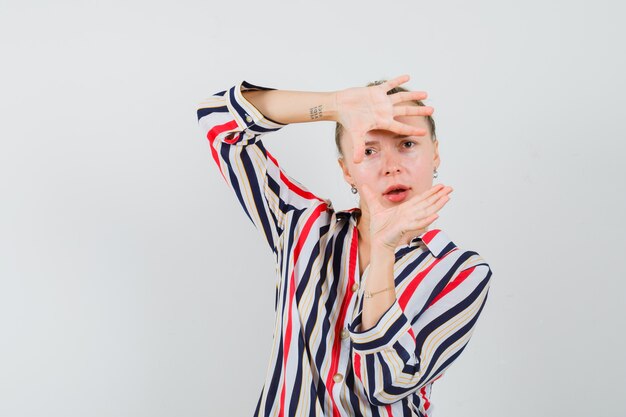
362, 109
392, 226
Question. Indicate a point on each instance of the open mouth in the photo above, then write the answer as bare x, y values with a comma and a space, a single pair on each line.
396, 193
396, 189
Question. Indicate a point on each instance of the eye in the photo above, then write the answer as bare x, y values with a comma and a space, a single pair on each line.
369, 151
408, 144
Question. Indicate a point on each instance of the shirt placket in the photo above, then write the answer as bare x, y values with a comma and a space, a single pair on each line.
340, 392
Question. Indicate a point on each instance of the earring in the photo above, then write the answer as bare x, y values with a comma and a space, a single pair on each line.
435, 173
354, 190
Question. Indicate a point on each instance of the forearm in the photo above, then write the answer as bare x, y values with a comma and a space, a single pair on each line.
380, 276
287, 107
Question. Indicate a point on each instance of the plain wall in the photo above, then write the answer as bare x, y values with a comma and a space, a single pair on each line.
123, 255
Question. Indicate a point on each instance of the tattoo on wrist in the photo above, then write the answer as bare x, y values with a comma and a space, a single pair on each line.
316, 112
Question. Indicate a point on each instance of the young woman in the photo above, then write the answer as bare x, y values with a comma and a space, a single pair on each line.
371, 306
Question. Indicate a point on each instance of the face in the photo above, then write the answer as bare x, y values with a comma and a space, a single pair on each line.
396, 167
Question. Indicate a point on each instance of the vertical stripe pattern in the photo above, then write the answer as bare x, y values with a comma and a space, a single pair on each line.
322, 363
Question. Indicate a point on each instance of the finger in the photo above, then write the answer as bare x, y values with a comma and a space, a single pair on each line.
366, 192
371, 198
432, 190
357, 157
391, 84
433, 209
412, 111
438, 204
431, 196
425, 217
404, 129
443, 192
421, 226
427, 212
408, 96
418, 199
359, 148
429, 220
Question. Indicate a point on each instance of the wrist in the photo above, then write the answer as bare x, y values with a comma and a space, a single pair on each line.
382, 250
329, 110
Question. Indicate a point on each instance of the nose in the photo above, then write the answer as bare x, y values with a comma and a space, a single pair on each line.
391, 165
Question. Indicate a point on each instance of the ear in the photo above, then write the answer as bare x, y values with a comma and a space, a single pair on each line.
436, 160
346, 172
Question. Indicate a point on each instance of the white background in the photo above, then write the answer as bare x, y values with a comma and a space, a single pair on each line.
123, 254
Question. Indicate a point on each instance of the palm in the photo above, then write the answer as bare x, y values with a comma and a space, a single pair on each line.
362, 109
371, 108
390, 225
381, 225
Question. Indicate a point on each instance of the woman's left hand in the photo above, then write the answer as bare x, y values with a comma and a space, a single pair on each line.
391, 226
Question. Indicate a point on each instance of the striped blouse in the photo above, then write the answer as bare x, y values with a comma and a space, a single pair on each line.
322, 363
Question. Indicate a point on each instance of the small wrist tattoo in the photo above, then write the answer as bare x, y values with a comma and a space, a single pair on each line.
316, 112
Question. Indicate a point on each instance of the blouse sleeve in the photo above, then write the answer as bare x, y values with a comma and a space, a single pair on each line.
234, 127
401, 354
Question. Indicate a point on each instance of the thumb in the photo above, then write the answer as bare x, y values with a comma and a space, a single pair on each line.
371, 198
357, 154
358, 144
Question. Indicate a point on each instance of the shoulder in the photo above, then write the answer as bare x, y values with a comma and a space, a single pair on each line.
322, 222
318, 215
460, 273
442, 247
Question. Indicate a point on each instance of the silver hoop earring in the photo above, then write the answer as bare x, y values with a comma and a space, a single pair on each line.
354, 190
435, 173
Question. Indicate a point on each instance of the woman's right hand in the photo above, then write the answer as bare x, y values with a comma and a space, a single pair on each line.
392, 226
361, 109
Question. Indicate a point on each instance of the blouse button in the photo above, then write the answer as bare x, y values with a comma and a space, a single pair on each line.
248, 118
337, 378
355, 287
345, 334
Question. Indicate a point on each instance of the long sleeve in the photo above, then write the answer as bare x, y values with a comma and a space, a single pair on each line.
234, 127
403, 353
